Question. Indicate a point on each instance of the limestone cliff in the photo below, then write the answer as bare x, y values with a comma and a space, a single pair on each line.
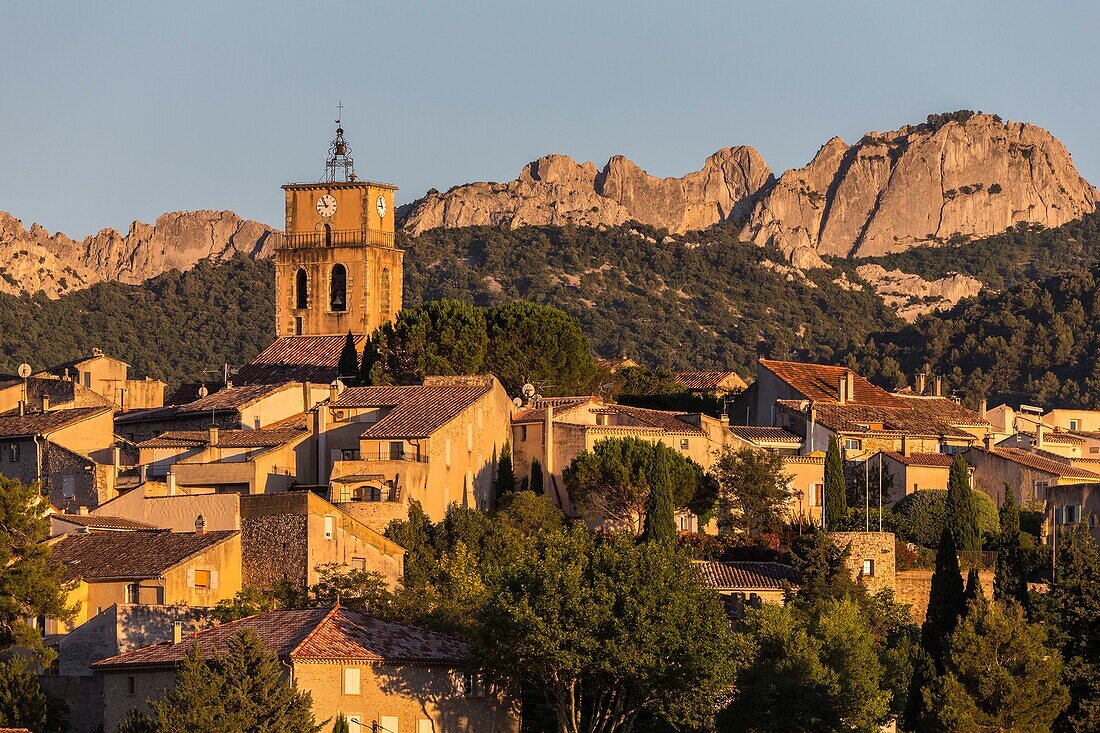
958, 175
555, 190
911, 295
33, 260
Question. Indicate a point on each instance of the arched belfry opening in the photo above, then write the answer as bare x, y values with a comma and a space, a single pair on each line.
301, 289
328, 235
338, 289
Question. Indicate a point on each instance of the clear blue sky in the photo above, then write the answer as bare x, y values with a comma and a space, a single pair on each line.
116, 111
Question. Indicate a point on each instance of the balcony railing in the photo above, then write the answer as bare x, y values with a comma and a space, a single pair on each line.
333, 238
388, 455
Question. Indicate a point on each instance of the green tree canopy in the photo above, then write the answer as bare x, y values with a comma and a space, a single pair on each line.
922, 516
1010, 574
946, 600
962, 512
836, 500
606, 631
539, 344
504, 485
23, 702
660, 519
348, 366
440, 337
753, 490
614, 479
30, 579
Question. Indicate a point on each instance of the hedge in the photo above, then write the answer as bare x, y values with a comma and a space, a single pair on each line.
920, 516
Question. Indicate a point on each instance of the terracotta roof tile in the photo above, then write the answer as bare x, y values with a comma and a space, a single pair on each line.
820, 382
109, 555
314, 359
1046, 465
746, 575
670, 422
41, 423
535, 410
761, 434
415, 411
319, 634
267, 438
923, 460
709, 381
919, 416
95, 521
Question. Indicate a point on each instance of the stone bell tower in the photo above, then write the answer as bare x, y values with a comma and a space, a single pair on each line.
336, 266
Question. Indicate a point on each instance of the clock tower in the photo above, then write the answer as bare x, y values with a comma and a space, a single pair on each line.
337, 268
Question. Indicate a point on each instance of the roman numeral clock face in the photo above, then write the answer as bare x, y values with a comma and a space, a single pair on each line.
326, 206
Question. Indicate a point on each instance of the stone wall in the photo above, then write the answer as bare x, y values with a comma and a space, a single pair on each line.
60, 465
84, 696
914, 586
376, 514
274, 548
876, 547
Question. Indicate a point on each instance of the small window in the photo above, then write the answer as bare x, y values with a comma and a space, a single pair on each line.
338, 286
131, 686
13, 451
301, 289
1041, 489
1071, 514
330, 527
683, 443
1094, 449
133, 594
298, 325
523, 434
397, 450
868, 568
815, 494
685, 523
853, 444
387, 724
202, 579
351, 680
473, 685
1074, 424
88, 380
349, 454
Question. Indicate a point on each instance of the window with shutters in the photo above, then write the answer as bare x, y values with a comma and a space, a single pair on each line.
1074, 424
202, 579
868, 568
133, 593
351, 680
1041, 489
388, 724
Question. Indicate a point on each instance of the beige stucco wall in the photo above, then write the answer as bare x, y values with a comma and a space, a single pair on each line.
1088, 420
149, 504
805, 473
93, 437
991, 473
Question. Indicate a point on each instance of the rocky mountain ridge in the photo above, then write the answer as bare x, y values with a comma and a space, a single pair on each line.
963, 174
33, 260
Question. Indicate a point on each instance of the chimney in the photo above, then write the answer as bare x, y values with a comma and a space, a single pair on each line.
904, 445
170, 479
22, 408
177, 632
919, 384
842, 392
82, 510
989, 441
307, 397
1039, 434
213, 436
200, 524
983, 407
45, 402
937, 386
334, 390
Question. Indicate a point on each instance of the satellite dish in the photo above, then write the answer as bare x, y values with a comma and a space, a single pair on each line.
203, 391
528, 390
517, 402
24, 370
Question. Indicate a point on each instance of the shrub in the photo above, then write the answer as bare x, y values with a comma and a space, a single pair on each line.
920, 516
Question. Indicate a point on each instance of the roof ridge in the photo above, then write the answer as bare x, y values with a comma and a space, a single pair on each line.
316, 628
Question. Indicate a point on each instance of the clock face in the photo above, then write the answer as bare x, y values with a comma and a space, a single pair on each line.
380, 204
326, 206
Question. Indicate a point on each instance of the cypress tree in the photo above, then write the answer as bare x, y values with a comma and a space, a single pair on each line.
341, 724
367, 362
836, 500
348, 368
1010, 579
973, 591
505, 484
962, 511
536, 477
660, 522
946, 601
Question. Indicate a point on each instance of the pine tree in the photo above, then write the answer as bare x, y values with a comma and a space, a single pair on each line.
962, 511
836, 500
1010, 578
536, 477
348, 368
341, 724
505, 484
23, 702
660, 522
946, 602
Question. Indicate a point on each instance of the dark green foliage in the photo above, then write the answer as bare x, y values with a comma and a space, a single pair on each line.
1072, 611
752, 488
836, 502
537, 344
693, 303
973, 592
962, 509
171, 327
922, 516
440, 337
504, 485
660, 520
137, 721
822, 567
30, 580
536, 477
348, 366
1010, 574
657, 389
341, 724
614, 479
241, 689
946, 601
23, 702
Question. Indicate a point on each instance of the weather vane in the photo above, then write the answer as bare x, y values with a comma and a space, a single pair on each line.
339, 153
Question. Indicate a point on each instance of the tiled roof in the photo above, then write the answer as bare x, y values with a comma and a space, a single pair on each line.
130, 555
918, 416
670, 422
922, 460
759, 434
746, 575
821, 383
314, 359
224, 400
267, 438
41, 423
535, 410
703, 381
319, 634
1046, 465
95, 521
415, 411
188, 392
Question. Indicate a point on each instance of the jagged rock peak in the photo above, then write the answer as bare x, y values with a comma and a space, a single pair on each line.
556, 190
960, 174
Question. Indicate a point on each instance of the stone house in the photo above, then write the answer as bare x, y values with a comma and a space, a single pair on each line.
110, 378
372, 671
250, 407
70, 452
1029, 475
263, 461
147, 567
1051, 440
1070, 504
378, 448
871, 558
747, 584
36, 393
